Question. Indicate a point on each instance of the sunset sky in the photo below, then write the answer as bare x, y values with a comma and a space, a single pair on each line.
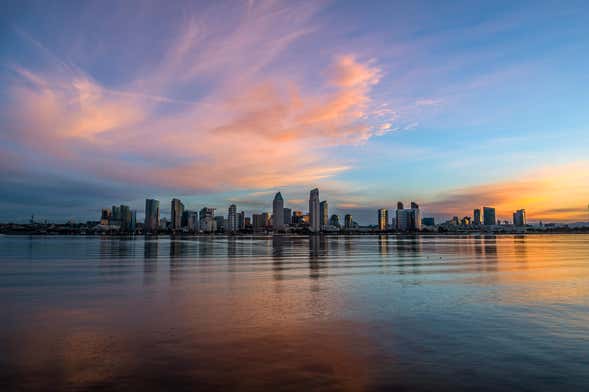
453, 104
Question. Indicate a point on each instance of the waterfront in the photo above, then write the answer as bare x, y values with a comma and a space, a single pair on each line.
295, 312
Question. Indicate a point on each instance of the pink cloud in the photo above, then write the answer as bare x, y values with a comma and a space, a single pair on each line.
252, 128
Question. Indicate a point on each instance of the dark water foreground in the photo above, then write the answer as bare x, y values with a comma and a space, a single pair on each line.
295, 313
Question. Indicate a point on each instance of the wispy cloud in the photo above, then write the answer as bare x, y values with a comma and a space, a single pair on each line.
252, 127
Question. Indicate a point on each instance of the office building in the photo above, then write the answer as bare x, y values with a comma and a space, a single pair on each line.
105, 216
220, 223
383, 219
176, 214
241, 220
278, 212
519, 218
408, 219
232, 220
334, 221
260, 221
152, 215
323, 213
476, 216
190, 220
125, 218
115, 216
287, 216
206, 212
489, 216
133, 223
348, 221
314, 220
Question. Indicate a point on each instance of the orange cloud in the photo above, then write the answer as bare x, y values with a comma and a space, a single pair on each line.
553, 193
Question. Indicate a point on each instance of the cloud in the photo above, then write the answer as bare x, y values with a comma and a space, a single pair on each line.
252, 126
551, 193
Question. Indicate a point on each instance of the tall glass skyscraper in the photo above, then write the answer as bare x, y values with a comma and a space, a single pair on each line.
323, 213
383, 219
314, 221
489, 216
177, 211
278, 212
232, 224
152, 215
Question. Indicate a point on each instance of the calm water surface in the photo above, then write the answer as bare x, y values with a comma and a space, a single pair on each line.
295, 313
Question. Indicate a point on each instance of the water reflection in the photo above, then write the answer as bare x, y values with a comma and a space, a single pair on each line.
295, 313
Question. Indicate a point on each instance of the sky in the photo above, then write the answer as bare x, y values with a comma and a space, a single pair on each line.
454, 104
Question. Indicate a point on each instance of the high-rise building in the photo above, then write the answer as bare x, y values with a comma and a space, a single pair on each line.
105, 216
152, 215
400, 205
190, 220
383, 219
519, 218
133, 224
232, 221
489, 216
408, 219
476, 216
278, 212
115, 217
348, 221
177, 211
287, 216
125, 218
314, 221
220, 222
241, 220
206, 212
323, 213
334, 221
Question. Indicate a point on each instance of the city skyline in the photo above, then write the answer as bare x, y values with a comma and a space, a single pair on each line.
458, 106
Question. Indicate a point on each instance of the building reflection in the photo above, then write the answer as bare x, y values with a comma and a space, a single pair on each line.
318, 253
150, 257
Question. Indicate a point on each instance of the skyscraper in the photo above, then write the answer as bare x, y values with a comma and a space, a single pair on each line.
232, 221
477, 216
115, 218
519, 218
278, 212
125, 214
177, 211
323, 213
314, 221
287, 216
398, 217
152, 215
383, 219
489, 216
408, 219
241, 220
